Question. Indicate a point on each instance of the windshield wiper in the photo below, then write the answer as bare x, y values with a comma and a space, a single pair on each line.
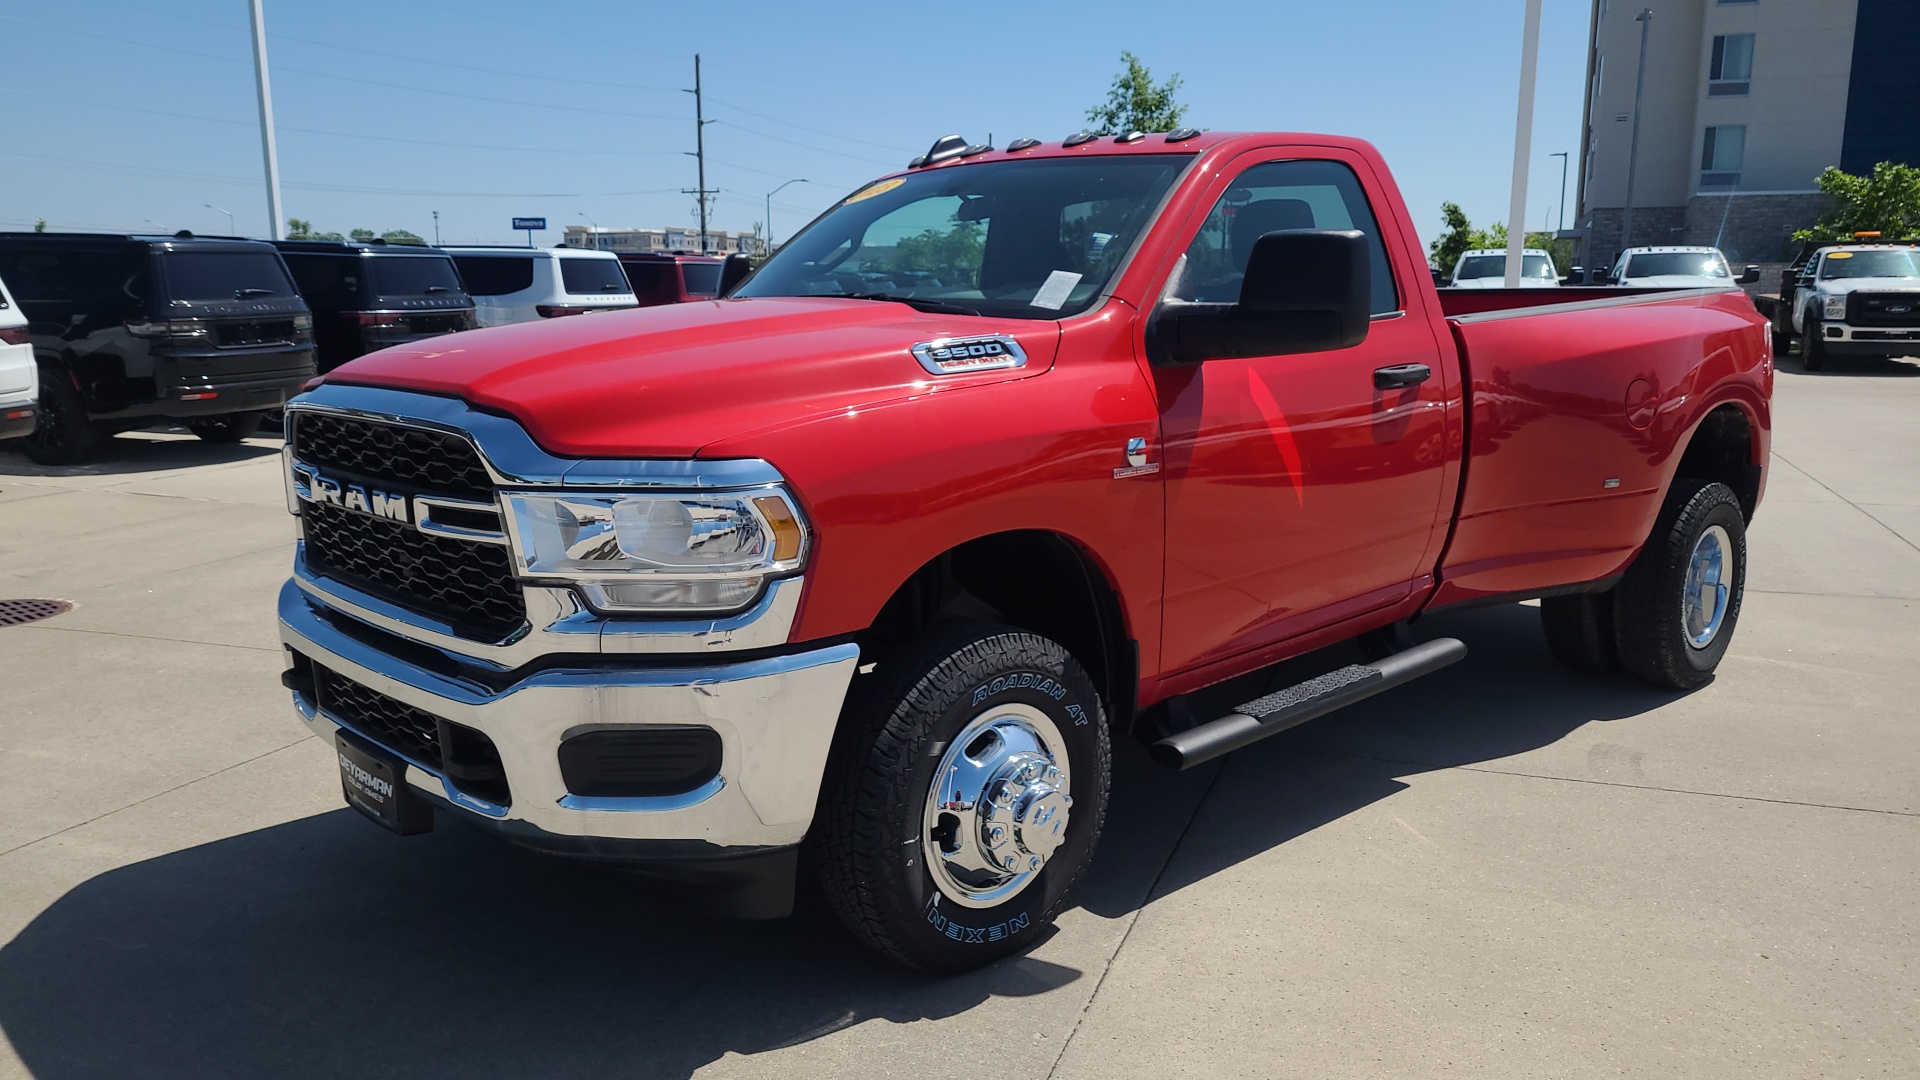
934, 307
431, 289
243, 294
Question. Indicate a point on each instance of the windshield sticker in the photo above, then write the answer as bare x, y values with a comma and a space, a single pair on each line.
871, 190
1839, 254
1053, 294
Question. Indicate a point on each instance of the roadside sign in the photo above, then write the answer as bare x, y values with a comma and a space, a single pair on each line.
530, 223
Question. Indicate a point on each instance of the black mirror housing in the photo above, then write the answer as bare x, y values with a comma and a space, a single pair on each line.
734, 270
1305, 290
1751, 275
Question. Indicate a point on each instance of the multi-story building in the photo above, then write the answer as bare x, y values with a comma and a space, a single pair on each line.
1742, 105
719, 242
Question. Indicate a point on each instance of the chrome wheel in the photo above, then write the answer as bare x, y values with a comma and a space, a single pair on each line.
1704, 597
998, 807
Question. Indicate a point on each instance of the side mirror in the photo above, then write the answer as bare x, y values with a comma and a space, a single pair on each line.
1750, 276
1439, 277
736, 269
1305, 290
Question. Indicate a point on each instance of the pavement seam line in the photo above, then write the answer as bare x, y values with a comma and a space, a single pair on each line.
158, 794
148, 637
1152, 888
1438, 767
1823, 484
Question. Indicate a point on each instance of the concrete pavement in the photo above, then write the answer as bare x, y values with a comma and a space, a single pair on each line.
1510, 871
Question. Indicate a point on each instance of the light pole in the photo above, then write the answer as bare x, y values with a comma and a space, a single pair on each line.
225, 211
1562, 155
436, 228
1645, 19
276, 229
593, 230
1522, 146
154, 223
770, 196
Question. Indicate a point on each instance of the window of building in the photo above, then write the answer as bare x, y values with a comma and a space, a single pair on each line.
1739, 1
1732, 65
1721, 154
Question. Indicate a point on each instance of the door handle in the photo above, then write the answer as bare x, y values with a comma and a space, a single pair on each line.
1388, 378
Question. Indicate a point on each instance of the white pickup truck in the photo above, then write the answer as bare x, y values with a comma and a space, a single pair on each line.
1855, 300
1487, 269
19, 378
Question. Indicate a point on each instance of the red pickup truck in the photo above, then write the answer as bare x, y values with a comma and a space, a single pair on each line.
1001, 459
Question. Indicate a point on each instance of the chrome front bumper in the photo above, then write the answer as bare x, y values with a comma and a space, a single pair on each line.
775, 717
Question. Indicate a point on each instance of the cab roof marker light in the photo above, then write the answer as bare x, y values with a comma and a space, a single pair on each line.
1183, 134
944, 148
1078, 138
1018, 145
1130, 137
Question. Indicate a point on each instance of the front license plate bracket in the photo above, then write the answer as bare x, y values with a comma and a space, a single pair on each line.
375, 783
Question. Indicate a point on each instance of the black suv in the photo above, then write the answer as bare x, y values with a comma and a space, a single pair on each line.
367, 295
127, 329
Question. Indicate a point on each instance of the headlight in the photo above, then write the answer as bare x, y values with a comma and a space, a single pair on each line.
658, 553
1836, 307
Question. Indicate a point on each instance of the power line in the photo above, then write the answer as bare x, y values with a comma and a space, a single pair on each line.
804, 146
816, 131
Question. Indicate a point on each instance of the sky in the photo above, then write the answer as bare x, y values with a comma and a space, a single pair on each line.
135, 116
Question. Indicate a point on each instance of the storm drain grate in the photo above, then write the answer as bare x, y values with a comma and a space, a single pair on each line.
15, 612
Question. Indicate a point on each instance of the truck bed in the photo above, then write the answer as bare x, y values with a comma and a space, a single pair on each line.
1575, 399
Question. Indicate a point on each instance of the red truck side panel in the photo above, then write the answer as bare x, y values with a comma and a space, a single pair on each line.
1579, 418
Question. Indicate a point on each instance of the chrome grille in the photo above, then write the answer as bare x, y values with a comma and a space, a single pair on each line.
434, 460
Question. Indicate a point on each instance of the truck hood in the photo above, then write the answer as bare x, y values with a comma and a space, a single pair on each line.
1677, 281
1867, 284
666, 381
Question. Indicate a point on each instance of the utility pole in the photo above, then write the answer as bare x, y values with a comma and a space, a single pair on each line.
275, 229
1562, 155
436, 228
1645, 19
700, 122
1523, 146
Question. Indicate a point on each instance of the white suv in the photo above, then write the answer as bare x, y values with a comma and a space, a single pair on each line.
514, 285
1486, 268
19, 377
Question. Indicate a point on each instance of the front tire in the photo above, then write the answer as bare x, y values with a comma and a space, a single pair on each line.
230, 428
1675, 610
964, 797
1813, 347
64, 435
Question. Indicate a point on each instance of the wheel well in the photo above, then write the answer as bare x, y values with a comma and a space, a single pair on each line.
1722, 450
1038, 581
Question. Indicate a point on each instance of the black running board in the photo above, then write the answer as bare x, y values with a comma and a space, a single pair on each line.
1302, 702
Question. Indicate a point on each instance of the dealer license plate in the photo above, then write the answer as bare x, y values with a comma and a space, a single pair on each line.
375, 784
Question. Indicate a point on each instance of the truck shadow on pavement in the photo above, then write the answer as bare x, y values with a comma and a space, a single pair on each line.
320, 948
135, 452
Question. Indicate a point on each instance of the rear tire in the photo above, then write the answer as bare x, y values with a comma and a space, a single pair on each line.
230, 428
1011, 724
1580, 632
1813, 348
1674, 613
64, 435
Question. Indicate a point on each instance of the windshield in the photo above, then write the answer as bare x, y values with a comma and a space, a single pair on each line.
412, 275
1486, 266
1677, 264
225, 275
1863, 264
1028, 239
593, 277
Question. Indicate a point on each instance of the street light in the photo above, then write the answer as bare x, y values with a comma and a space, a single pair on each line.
1645, 19
1562, 155
225, 211
770, 196
154, 223
594, 229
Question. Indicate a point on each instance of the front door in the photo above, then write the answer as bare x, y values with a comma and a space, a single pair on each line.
1297, 494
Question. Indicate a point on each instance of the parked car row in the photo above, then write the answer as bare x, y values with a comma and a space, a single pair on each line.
1639, 268
106, 332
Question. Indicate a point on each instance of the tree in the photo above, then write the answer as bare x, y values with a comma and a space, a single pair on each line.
303, 230
362, 235
1135, 104
1886, 201
952, 257
402, 236
40, 226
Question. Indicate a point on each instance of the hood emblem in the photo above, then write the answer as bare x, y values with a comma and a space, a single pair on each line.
958, 356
